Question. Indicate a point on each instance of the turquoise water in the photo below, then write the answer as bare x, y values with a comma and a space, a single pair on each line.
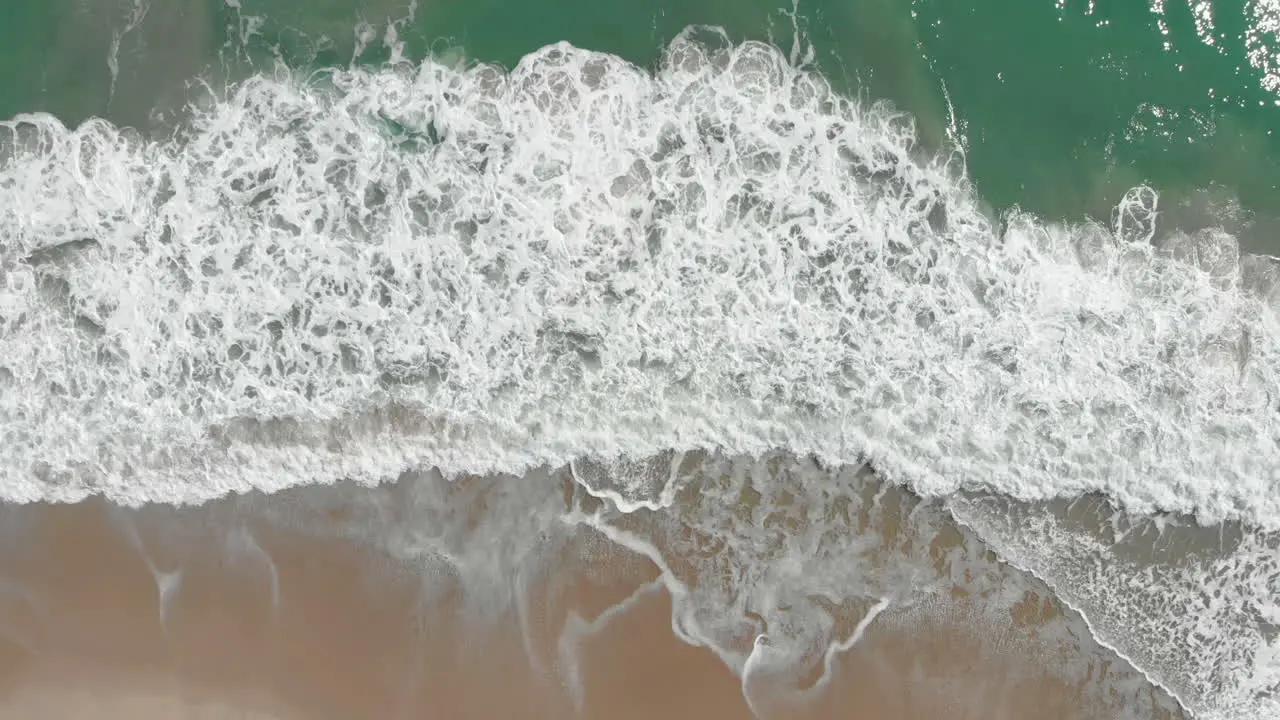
1061, 105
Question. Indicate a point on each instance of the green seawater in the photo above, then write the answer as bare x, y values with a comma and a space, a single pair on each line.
1060, 104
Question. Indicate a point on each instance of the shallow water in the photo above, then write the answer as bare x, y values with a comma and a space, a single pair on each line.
418, 597
646, 320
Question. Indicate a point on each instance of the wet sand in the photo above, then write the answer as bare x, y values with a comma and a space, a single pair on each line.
337, 632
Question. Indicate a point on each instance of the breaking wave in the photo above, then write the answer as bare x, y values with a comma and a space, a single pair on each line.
355, 273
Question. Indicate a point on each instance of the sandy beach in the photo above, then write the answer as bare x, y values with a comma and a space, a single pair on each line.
322, 629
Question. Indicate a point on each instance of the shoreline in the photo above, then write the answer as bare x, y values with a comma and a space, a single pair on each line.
218, 611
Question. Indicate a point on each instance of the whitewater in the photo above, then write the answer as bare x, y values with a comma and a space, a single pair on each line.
351, 274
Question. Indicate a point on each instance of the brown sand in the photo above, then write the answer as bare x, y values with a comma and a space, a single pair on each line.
350, 642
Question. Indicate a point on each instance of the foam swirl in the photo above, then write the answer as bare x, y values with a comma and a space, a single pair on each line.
425, 265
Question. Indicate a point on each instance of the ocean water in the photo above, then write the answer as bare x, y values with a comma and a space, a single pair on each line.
824, 309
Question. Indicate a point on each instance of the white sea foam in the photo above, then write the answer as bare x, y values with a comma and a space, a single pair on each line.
352, 274
487, 272
1198, 609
